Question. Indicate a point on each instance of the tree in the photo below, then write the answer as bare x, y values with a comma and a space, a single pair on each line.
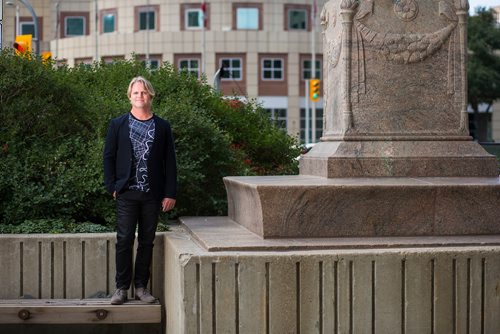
483, 62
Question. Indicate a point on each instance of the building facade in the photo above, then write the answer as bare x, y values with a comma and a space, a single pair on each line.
265, 46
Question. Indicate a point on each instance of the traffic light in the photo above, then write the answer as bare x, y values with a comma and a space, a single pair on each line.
22, 45
46, 57
314, 89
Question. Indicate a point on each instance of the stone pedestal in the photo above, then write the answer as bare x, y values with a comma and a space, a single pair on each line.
339, 159
278, 289
396, 158
395, 168
306, 206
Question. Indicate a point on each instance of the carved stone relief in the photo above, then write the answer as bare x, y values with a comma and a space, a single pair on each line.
406, 10
349, 35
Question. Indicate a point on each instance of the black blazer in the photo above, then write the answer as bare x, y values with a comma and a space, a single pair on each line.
117, 157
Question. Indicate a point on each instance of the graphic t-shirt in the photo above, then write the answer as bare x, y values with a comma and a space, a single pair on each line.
142, 135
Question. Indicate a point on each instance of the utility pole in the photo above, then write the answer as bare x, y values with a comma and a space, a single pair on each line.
58, 28
203, 41
313, 69
147, 35
1, 22
96, 30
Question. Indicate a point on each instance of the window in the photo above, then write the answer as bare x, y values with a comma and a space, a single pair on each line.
297, 19
112, 59
154, 64
194, 15
272, 69
233, 69
147, 19
108, 22
190, 65
27, 28
193, 18
306, 69
86, 62
247, 16
278, 116
74, 26
319, 125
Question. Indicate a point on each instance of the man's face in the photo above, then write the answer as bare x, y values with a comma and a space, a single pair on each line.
139, 97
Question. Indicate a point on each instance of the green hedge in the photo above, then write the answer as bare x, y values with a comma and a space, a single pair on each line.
52, 127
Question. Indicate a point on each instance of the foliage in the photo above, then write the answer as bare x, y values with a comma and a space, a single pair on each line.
484, 59
52, 127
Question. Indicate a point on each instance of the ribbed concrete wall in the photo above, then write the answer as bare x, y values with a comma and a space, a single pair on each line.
438, 290
65, 266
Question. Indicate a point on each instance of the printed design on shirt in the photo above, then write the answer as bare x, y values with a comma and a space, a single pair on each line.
142, 134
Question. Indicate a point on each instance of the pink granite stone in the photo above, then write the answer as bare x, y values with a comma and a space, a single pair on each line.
306, 206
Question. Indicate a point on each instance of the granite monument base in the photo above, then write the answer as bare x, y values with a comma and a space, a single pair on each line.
404, 158
304, 206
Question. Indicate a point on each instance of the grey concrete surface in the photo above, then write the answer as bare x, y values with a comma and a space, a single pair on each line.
400, 290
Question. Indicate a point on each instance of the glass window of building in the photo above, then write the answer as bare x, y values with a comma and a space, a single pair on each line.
191, 65
297, 19
247, 18
74, 26
278, 117
27, 28
307, 70
147, 19
233, 69
154, 64
319, 125
108, 23
272, 69
194, 18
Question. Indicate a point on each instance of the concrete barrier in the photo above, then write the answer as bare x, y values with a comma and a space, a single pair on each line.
400, 290
66, 266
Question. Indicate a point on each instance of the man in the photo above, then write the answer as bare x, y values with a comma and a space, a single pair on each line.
140, 172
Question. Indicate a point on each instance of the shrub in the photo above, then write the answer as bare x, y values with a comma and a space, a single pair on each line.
52, 127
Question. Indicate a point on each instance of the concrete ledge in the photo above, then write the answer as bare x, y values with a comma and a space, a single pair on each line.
77, 311
423, 290
219, 234
304, 206
66, 266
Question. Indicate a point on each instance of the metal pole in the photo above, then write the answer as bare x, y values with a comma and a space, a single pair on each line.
147, 35
203, 52
1, 21
35, 23
96, 31
313, 68
18, 23
57, 30
306, 115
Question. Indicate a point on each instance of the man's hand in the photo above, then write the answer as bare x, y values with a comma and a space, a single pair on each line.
114, 194
167, 204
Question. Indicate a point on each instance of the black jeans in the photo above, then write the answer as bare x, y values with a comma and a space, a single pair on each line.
135, 208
